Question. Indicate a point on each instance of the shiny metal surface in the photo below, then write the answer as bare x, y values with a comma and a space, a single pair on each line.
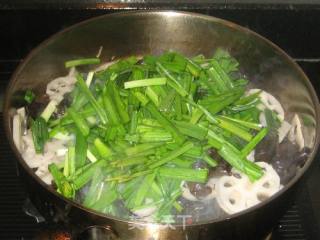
138, 33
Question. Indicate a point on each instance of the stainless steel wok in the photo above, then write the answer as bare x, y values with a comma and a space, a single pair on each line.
143, 32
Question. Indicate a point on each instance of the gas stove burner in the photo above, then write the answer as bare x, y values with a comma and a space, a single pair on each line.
57, 234
48, 230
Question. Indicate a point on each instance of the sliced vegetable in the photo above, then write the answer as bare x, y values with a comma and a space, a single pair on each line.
60, 180
79, 121
137, 129
83, 61
81, 148
145, 82
40, 134
86, 91
186, 174
50, 108
29, 96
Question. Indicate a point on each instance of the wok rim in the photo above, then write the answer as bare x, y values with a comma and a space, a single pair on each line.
228, 24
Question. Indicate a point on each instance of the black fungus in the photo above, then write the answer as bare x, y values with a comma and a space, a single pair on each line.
37, 106
266, 149
62, 107
288, 159
284, 157
199, 190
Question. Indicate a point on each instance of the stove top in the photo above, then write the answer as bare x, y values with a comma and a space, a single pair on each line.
295, 29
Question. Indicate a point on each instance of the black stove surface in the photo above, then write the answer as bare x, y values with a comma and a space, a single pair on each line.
294, 29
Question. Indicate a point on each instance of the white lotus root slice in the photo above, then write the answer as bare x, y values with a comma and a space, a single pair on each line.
283, 130
269, 182
230, 195
17, 127
41, 161
236, 193
58, 87
295, 134
270, 102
